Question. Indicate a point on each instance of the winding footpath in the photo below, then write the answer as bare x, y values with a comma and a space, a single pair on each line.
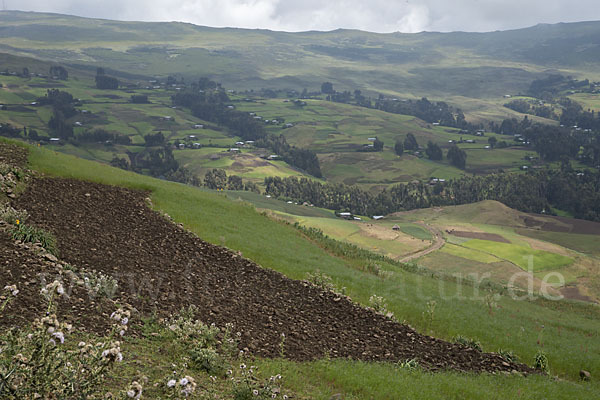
438, 243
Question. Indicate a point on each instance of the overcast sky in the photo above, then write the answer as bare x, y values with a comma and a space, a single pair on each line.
302, 15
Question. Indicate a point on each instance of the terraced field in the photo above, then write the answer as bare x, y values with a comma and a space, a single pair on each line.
489, 237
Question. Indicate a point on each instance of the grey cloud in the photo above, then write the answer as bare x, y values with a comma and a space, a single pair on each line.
300, 15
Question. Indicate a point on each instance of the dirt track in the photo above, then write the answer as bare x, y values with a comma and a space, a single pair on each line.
162, 267
438, 243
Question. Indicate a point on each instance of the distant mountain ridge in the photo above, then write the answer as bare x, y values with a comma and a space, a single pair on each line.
442, 65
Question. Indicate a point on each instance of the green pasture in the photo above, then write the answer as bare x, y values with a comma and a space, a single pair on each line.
526, 258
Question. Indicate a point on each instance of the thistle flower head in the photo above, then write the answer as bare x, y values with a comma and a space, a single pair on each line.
135, 390
12, 289
60, 336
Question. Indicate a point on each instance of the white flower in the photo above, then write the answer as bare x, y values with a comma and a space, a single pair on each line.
171, 383
255, 392
119, 357
131, 393
125, 320
60, 336
12, 289
105, 353
60, 289
183, 381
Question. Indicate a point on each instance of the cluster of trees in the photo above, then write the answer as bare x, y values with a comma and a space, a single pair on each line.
347, 97
550, 87
139, 99
457, 157
7, 130
432, 112
533, 192
217, 179
554, 142
525, 107
433, 151
152, 140
63, 108
574, 115
399, 147
104, 81
59, 72
209, 105
377, 145
158, 162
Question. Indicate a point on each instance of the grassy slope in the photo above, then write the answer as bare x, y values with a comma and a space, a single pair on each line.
570, 336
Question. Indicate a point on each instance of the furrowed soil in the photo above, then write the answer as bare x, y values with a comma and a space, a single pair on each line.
30, 267
561, 224
494, 237
13, 155
161, 267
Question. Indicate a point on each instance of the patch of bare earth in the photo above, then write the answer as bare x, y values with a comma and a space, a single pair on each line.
494, 237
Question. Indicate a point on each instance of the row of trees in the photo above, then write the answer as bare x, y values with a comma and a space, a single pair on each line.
102, 136
217, 179
533, 192
432, 112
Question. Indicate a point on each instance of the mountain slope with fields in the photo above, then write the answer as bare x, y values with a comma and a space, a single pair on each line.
217, 210
459, 65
